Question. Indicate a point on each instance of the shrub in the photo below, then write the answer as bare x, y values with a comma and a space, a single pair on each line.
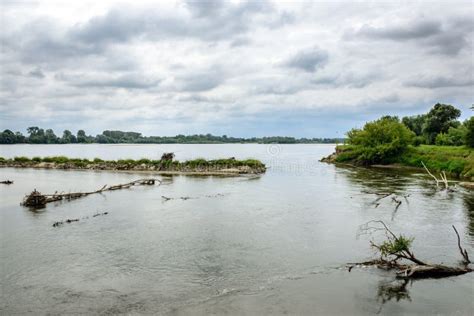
469, 137
418, 140
380, 141
21, 159
454, 137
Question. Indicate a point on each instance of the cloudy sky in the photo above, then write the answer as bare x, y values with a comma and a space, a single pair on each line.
241, 68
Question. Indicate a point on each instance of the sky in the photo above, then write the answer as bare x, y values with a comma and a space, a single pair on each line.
240, 68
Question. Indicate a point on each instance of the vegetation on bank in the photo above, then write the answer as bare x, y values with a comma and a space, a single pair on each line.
456, 160
195, 165
428, 138
38, 135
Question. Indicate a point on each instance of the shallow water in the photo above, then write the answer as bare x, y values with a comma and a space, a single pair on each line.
273, 245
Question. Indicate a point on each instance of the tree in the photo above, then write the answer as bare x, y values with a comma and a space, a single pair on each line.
380, 141
469, 137
50, 137
415, 123
81, 136
439, 119
455, 136
20, 138
68, 137
7, 137
37, 135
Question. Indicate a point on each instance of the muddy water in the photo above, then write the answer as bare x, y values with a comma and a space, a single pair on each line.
272, 245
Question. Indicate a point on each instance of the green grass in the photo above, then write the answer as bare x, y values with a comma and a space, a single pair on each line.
456, 160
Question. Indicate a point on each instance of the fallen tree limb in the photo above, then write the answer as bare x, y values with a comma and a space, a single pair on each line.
461, 250
397, 248
37, 200
443, 178
69, 221
185, 198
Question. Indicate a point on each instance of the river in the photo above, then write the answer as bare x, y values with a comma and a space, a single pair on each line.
277, 244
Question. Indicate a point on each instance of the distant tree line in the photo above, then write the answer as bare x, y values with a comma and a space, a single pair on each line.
38, 135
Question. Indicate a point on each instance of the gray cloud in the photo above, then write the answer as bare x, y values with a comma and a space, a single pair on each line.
441, 81
348, 79
201, 81
438, 37
416, 30
37, 73
308, 60
42, 40
127, 81
177, 67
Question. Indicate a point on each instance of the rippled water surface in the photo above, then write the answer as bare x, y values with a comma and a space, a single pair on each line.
276, 244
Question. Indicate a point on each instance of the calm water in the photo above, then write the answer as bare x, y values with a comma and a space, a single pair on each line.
272, 245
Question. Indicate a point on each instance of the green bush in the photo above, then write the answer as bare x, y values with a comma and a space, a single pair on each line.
380, 141
469, 137
418, 140
454, 137
21, 159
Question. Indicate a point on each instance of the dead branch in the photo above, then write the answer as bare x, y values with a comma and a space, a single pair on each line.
397, 202
395, 248
461, 250
443, 178
436, 179
37, 200
68, 221
184, 198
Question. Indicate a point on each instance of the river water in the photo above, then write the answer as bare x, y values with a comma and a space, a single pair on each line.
277, 244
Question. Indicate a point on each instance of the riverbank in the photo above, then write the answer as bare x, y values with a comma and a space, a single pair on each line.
458, 161
198, 167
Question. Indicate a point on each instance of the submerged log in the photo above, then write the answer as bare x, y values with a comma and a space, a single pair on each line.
37, 200
397, 248
431, 271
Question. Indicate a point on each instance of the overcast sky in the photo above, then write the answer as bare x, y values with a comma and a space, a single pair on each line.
251, 68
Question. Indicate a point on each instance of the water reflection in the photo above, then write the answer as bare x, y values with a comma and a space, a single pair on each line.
377, 180
393, 290
469, 206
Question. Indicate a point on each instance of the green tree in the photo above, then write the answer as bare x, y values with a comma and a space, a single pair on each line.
20, 138
81, 136
455, 136
469, 137
7, 137
380, 141
415, 123
37, 135
50, 137
439, 119
68, 137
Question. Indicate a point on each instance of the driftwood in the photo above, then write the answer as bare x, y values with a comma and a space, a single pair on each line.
6, 182
37, 200
383, 195
395, 250
69, 221
185, 198
443, 178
